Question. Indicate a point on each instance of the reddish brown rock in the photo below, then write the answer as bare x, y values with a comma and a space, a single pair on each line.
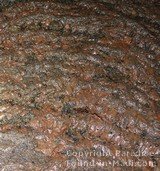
78, 81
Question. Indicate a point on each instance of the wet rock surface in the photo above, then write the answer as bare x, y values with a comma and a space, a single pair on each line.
76, 77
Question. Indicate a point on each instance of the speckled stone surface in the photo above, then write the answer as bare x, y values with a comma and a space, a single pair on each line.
79, 85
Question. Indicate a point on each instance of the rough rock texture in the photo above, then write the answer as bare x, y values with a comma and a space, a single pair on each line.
79, 76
